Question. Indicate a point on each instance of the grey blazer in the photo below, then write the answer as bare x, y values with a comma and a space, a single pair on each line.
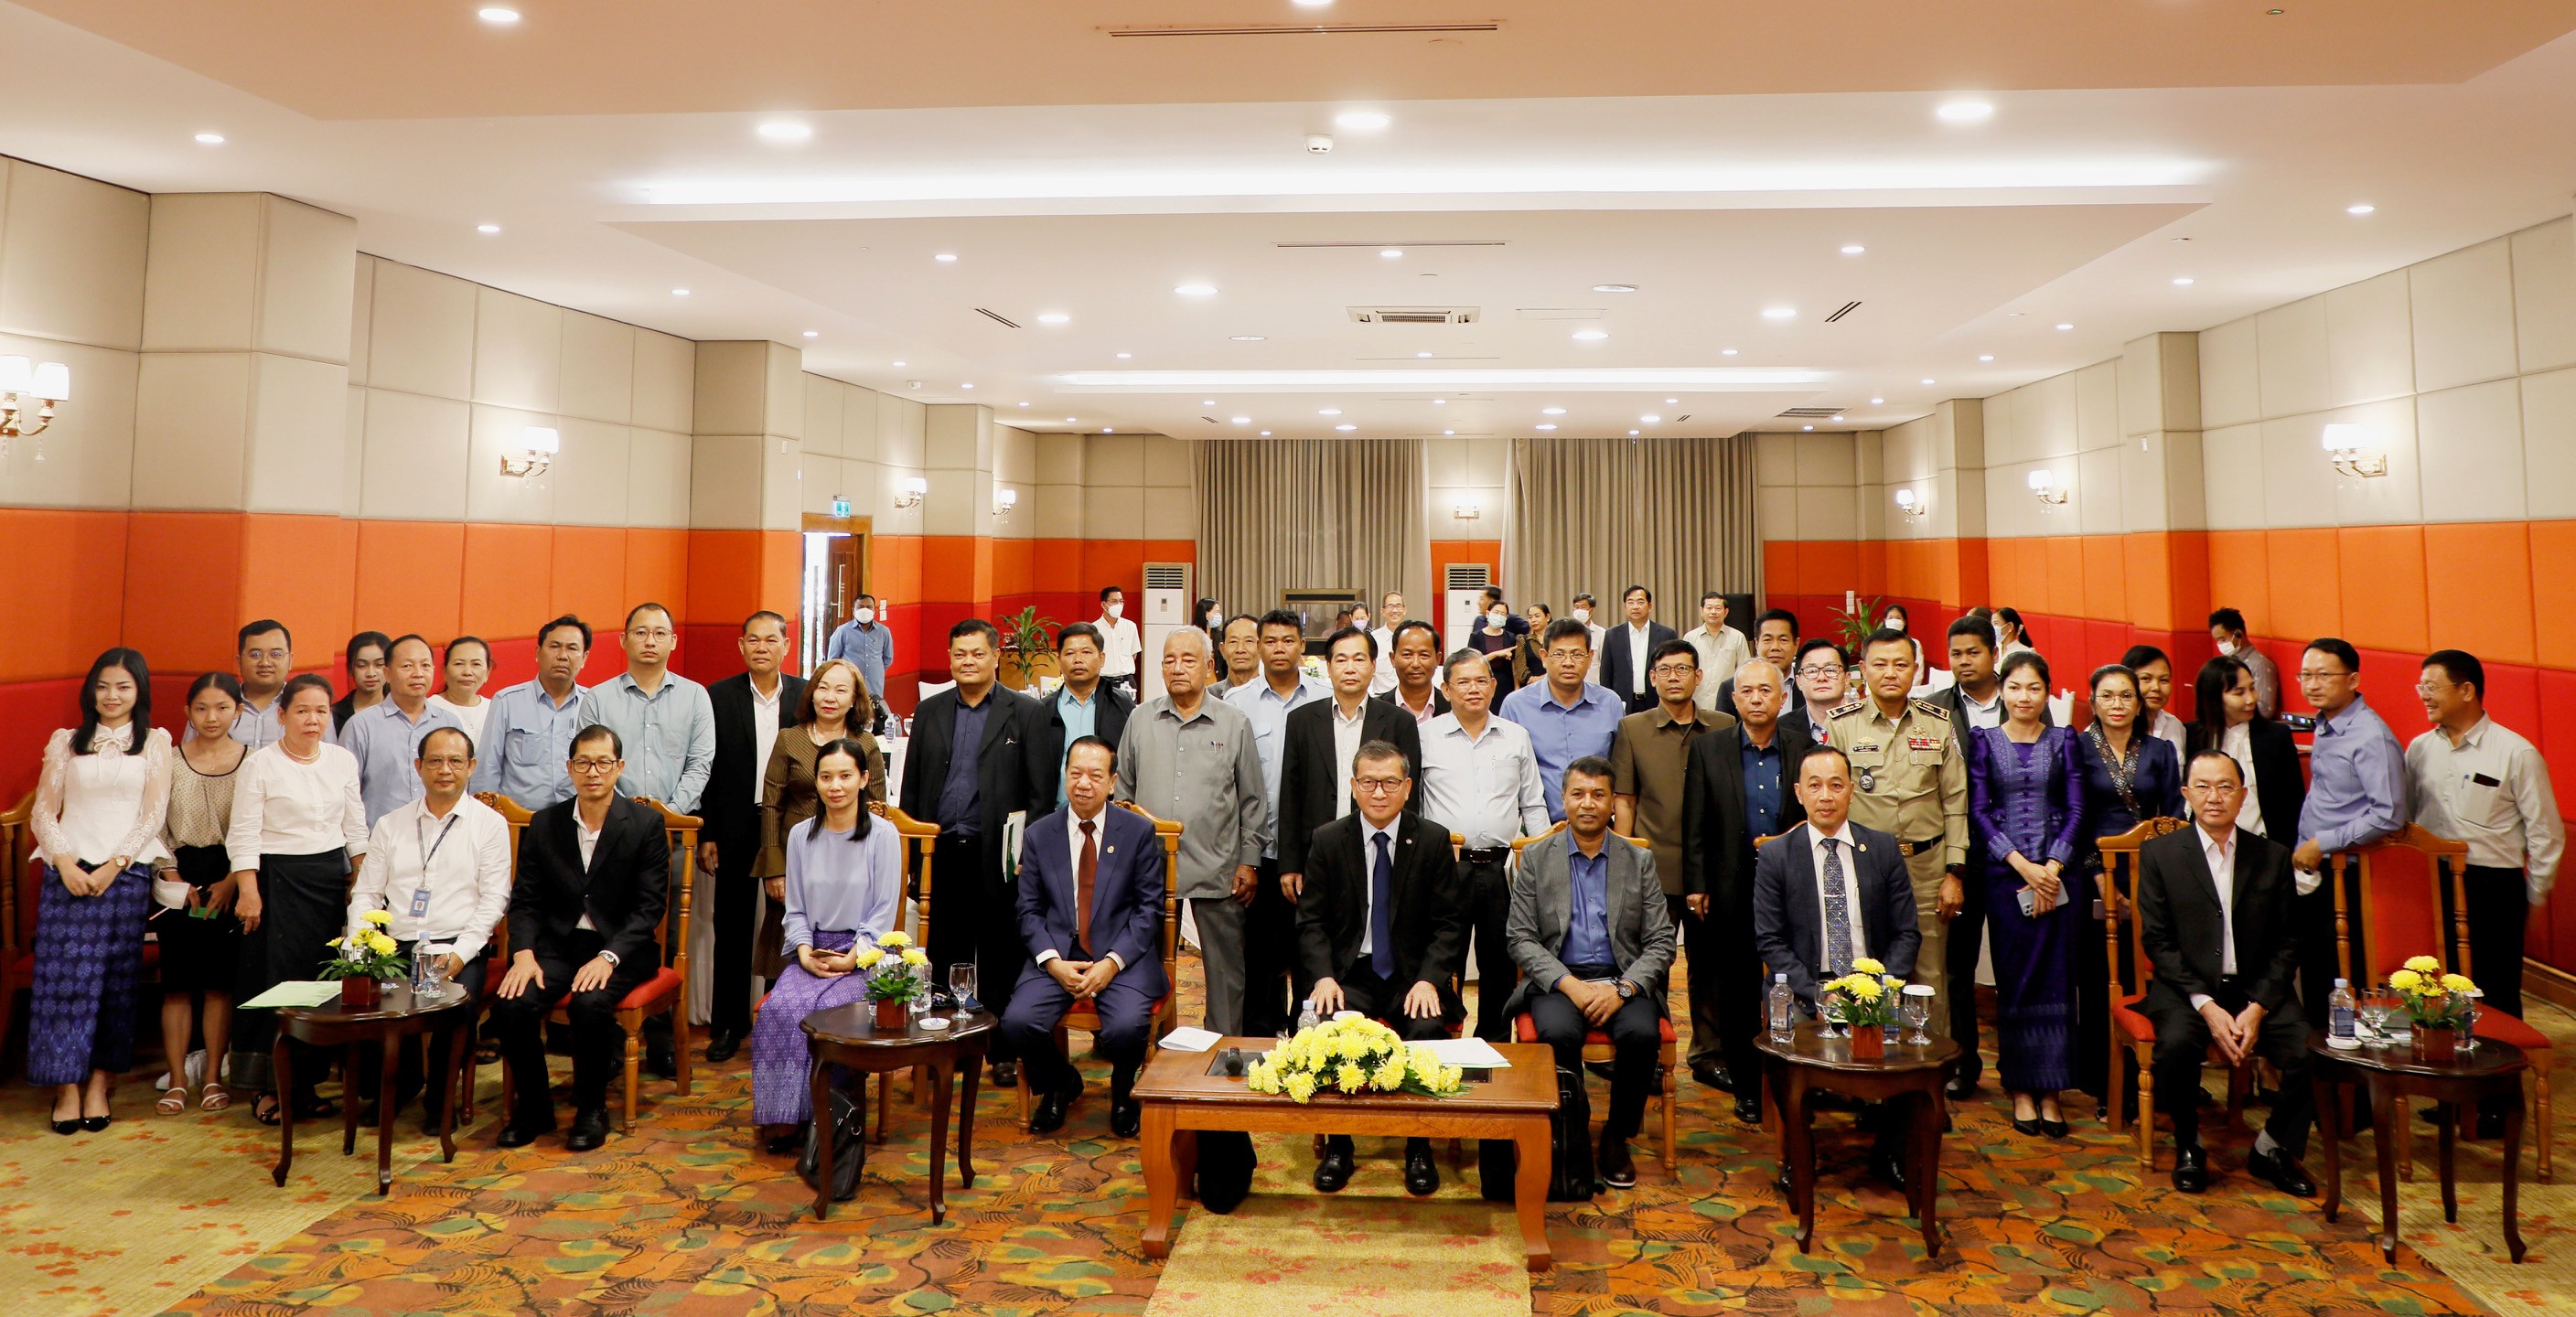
1641, 926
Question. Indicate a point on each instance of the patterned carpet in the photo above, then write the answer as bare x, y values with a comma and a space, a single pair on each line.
682, 1217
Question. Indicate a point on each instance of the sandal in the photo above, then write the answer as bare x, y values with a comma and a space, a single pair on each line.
217, 1096
174, 1100
264, 1109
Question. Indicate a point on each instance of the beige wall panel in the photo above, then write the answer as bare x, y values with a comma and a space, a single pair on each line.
958, 437
1115, 460
1775, 459
782, 482
597, 379
823, 424
1015, 455
785, 390
2463, 307
1057, 510
525, 500
362, 297
1444, 462
1113, 513
72, 259
2370, 341
589, 478
422, 337
2394, 499
1169, 463
2232, 477
307, 267
859, 420
666, 374
2100, 503
1775, 512
2298, 486
959, 503
1060, 458
2474, 435
2146, 485
191, 416
201, 284
903, 428
2544, 295
416, 455
298, 434
1168, 517
2290, 349
818, 476
1826, 513
2097, 406
2549, 443
2142, 363
725, 482
353, 452
1827, 459
89, 451
657, 478
518, 352
2230, 387
732, 388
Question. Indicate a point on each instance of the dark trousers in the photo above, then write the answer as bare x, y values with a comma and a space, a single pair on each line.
410, 1074
596, 1039
973, 921
737, 901
1269, 955
1960, 950
1707, 977
1634, 1039
1038, 1002
1488, 885
1383, 999
1740, 994
2499, 910
2182, 1043
2319, 966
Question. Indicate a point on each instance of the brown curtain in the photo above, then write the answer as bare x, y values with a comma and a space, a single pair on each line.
1673, 515
1279, 515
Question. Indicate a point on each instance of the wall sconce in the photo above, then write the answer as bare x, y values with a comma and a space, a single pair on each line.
1467, 509
908, 491
2347, 445
1003, 501
1911, 506
538, 445
23, 383
2043, 484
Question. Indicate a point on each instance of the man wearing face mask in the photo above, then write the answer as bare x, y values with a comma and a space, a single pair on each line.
2227, 630
1581, 610
866, 643
1118, 655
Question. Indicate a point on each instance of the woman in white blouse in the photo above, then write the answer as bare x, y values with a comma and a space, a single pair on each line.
298, 830
462, 676
97, 818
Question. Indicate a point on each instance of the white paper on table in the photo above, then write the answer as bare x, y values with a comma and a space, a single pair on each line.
1466, 1053
1186, 1039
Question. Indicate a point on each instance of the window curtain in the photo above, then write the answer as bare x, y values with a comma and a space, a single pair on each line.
1280, 515
1600, 515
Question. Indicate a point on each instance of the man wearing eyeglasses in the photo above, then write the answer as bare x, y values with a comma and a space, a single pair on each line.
2356, 795
1319, 741
1649, 763
1822, 675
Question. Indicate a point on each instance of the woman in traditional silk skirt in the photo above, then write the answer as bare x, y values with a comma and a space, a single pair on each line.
2026, 802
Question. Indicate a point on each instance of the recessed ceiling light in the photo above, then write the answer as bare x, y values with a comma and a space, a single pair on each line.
965, 386
1440, 402
898, 365
1614, 288
1633, 434
1853, 249
2359, 208
2182, 281
1068, 420
1106, 429
1364, 121
1590, 335
1965, 111
1671, 401
1207, 402
1779, 313
1311, 4
1929, 380
785, 130
816, 333
1264, 434
1876, 401
210, 139
1125, 355
1424, 356
946, 258
1838, 420
1551, 411
1330, 411
679, 292
1985, 356
1448, 432
1803, 427
1243, 420
487, 228
497, 16
1240, 338
1196, 290
2062, 327
1543, 427
1726, 352
1053, 317
1346, 427
1650, 420
1392, 253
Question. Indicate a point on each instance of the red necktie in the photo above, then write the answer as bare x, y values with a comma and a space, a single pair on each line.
1082, 886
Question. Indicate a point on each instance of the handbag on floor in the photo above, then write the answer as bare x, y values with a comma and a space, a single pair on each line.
848, 1130
1569, 1138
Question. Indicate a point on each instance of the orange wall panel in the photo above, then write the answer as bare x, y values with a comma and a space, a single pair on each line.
1779, 567
303, 571
587, 578
2240, 577
2553, 592
1828, 567
656, 566
2065, 575
894, 570
182, 588
2107, 583
1123, 562
1445, 553
506, 586
1055, 566
2383, 587
949, 569
411, 577
1873, 575
2306, 573
2143, 561
2477, 590
1972, 584
66, 570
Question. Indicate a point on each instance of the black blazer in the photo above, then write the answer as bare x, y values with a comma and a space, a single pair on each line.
623, 891
1796, 722
2280, 780
1615, 659
1429, 920
1047, 739
730, 804
2181, 926
1308, 776
1789, 920
1717, 843
1005, 779
1439, 706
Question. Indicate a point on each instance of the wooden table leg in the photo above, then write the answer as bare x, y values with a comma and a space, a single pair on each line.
1927, 1168
2513, 1170
1797, 1148
2446, 1117
2330, 1092
349, 1100
282, 1068
1162, 1176
389, 1053
971, 1065
1531, 1143
819, 1086
451, 1072
2384, 1109
942, 1078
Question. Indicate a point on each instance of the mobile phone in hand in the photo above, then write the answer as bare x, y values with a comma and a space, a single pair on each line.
2028, 900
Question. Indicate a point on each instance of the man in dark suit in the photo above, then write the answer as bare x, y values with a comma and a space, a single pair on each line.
1381, 929
1084, 705
2217, 917
1319, 740
1827, 893
968, 771
1741, 785
1594, 941
585, 921
1627, 651
1817, 682
750, 706
1091, 917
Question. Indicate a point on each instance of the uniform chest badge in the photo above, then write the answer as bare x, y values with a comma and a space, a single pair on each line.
1868, 779
1864, 747
1922, 743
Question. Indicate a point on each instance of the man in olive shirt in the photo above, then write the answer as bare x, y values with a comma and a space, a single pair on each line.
1648, 762
1910, 780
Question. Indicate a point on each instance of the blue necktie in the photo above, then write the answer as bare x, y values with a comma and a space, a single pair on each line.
1381, 896
1838, 944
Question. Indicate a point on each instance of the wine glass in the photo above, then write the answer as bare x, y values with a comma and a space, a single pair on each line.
1915, 1012
961, 988
2377, 1009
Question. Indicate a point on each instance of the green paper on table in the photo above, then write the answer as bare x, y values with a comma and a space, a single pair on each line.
294, 992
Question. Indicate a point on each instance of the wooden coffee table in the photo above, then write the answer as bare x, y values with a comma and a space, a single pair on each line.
1814, 1059
397, 1016
2390, 1075
847, 1036
1180, 1098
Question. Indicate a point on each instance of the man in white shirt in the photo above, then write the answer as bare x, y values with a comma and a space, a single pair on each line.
440, 867
1480, 780
1390, 615
1118, 656
1582, 608
1722, 650
1270, 920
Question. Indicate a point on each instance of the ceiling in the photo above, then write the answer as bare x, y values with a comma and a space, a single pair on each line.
1717, 156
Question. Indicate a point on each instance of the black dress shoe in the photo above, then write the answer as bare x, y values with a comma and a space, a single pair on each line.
793, 1141
1421, 1171
1781, 1183
1713, 1075
2282, 1172
1748, 1109
722, 1046
1126, 1117
1889, 1167
1961, 1087
589, 1130
1618, 1169
659, 1062
2191, 1169
71, 1126
2055, 1129
1334, 1171
1049, 1114
1006, 1074
519, 1134
95, 1123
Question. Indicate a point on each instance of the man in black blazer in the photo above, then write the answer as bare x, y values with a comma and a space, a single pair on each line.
1381, 929
750, 706
1084, 705
1318, 742
1828, 892
599, 860
1739, 786
2227, 963
1626, 650
968, 770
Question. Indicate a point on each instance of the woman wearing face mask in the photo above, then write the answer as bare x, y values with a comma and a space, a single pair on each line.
468, 667
101, 798
2010, 638
1211, 620
2128, 776
2155, 691
201, 943
2026, 802
2232, 720
2227, 630
836, 706
1895, 618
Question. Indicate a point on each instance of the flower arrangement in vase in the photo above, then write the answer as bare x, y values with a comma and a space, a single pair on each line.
903, 978
369, 958
1866, 1001
2438, 1006
1350, 1056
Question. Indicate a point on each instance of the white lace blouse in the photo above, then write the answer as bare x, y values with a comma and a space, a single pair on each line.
105, 803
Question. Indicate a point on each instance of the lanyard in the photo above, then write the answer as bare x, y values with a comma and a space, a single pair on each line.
429, 850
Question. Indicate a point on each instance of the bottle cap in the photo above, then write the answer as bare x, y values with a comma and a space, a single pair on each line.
2343, 983
1779, 978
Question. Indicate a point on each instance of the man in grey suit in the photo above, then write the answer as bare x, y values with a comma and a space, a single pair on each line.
1593, 938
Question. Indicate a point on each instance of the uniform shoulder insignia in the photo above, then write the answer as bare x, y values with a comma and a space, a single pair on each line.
1853, 707
1933, 709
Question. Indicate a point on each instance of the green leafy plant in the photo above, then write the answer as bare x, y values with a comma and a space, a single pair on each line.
368, 953
902, 970
1852, 626
1024, 640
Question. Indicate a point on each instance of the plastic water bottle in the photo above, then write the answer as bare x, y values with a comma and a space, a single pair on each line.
1784, 1009
1306, 1018
2339, 1017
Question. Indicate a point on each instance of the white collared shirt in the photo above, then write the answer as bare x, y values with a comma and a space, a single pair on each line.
1988, 714
2220, 855
2169, 727
1849, 855
2238, 742
2491, 791
461, 860
1118, 659
1637, 660
589, 841
1346, 745
764, 731
1368, 880
1486, 787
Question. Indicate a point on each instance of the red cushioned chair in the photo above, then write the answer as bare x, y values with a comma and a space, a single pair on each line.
1596, 1044
17, 912
2133, 1035
1082, 1014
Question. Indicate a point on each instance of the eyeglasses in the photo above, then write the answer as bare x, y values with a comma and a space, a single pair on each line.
652, 633
2311, 674
1568, 654
2210, 788
594, 767
1819, 670
1671, 670
1378, 786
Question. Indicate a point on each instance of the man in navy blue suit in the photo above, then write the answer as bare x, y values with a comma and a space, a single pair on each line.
1091, 912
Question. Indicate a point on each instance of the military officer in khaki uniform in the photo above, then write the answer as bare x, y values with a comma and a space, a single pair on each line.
1911, 781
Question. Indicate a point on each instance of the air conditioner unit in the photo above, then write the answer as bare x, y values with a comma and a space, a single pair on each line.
1462, 597
1414, 315
1167, 608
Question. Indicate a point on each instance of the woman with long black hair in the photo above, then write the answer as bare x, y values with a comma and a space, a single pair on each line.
201, 940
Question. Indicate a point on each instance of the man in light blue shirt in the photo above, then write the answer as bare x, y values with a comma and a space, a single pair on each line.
866, 643
665, 719
1567, 717
2356, 795
265, 653
385, 736
1270, 922
528, 733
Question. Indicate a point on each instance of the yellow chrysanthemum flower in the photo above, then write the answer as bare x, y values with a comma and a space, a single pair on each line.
2458, 983
1865, 989
334, 942
869, 958
2424, 964
1262, 1081
894, 939
2406, 980
1300, 1086
915, 956
1389, 1075
381, 944
1865, 965
379, 918
1350, 1078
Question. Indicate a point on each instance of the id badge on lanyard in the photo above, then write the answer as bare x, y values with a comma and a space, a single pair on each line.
429, 852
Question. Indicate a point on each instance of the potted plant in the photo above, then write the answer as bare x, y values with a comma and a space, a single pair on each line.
1853, 627
2438, 1007
898, 975
1350, 1056
1025, 642
368, 959
1866, 1001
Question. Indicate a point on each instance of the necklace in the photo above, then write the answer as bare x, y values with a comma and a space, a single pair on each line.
313, 758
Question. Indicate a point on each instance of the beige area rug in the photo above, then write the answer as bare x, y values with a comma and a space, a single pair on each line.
1369, 1251
138, 1216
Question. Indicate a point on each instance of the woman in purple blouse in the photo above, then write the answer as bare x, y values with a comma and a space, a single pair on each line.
2026, 804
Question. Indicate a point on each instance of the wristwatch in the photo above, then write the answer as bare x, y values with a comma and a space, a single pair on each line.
1627, 990
609, 956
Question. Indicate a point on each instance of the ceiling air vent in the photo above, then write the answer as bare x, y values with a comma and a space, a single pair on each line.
1847, 309
1812, 413
1414, 315
997, 317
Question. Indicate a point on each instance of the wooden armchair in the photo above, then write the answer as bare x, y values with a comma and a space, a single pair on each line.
1082, 1014
17, 912
2133, 1035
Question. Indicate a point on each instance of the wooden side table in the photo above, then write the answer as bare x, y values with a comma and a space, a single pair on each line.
399, 1015
1813, 1059
848, 1036
2493, 1070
